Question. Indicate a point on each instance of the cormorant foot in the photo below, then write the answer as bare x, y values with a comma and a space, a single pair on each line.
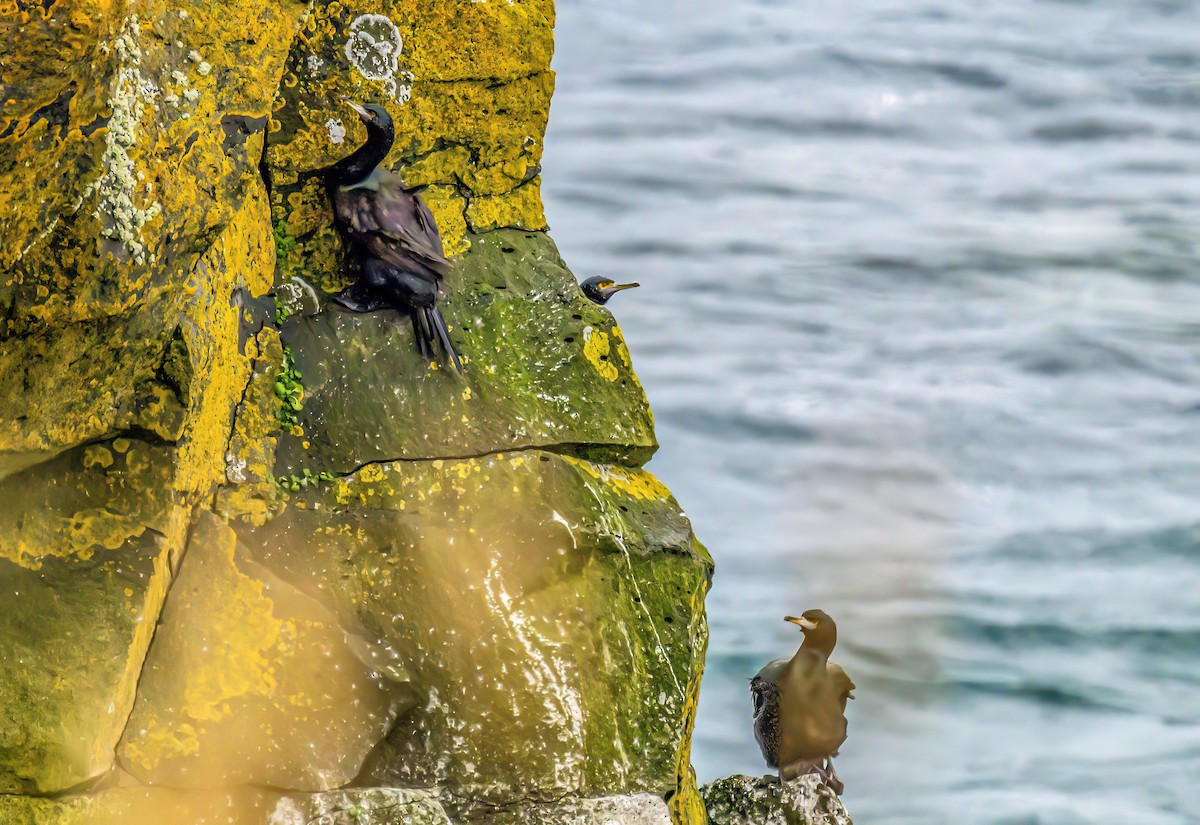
830, 777
355, 304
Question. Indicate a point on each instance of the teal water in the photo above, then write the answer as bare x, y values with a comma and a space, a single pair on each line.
920, 324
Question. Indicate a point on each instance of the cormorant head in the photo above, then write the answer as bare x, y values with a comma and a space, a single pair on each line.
820, 632
599, 289
375, 117
361, 165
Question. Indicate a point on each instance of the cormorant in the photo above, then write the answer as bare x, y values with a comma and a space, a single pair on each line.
392, 233
800, 704
599, 289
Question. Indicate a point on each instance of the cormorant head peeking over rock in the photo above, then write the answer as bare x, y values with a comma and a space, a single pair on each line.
599, 289
820, 632
361, 169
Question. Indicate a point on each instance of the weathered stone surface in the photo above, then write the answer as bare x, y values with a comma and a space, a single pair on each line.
543, 367
83, 569
229, 806
469, 91
141, 119
134, 215
469, 587
250, 682
634, 809
366, 806
546, 610
134, 806
748, 800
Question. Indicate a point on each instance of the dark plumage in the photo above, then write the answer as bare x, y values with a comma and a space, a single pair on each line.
599, 289
388, 228
800, 704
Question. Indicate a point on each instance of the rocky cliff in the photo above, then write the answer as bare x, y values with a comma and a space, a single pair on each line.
254, 550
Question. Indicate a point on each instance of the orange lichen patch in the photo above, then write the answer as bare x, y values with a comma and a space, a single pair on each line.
84, 503
308, 208
495, 41
501, 177
154, 177
440, 166
249, 682
158, 409
54, 86
596, 350
76, 384
97, 456
622, 349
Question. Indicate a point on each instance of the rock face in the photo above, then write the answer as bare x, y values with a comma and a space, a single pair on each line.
251, 542
747, 800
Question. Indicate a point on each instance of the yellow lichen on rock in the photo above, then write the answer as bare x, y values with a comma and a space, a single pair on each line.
596, 350
243, 257
635, 483
249, 681
469, 93
249, 491
519, 208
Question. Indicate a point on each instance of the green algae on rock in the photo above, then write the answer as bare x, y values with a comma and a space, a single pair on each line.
543, 367
484, 596
544, 610
83, 568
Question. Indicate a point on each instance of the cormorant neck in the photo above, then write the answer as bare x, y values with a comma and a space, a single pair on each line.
821, 641
360, 167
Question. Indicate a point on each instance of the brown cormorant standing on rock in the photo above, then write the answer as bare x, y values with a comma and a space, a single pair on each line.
800, 704
387, 227
599, 289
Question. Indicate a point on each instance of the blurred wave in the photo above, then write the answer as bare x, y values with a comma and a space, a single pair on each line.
919, 324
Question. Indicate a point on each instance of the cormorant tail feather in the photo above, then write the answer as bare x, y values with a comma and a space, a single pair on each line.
438, 321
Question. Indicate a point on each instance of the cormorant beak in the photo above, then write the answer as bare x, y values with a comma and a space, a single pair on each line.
366, 116
806, 624
613, 290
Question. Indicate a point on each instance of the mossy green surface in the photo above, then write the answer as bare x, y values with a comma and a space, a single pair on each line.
159, 163
544, 611
83, 570
543, 367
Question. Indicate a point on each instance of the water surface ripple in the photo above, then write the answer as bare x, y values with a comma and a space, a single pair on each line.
921, 326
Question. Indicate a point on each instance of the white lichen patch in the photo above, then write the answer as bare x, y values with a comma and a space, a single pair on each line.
315, 64
374, 46
235, 468
337, 132
123, 219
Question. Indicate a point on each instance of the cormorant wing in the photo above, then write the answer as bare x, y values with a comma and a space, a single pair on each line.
841, 683
404, 228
